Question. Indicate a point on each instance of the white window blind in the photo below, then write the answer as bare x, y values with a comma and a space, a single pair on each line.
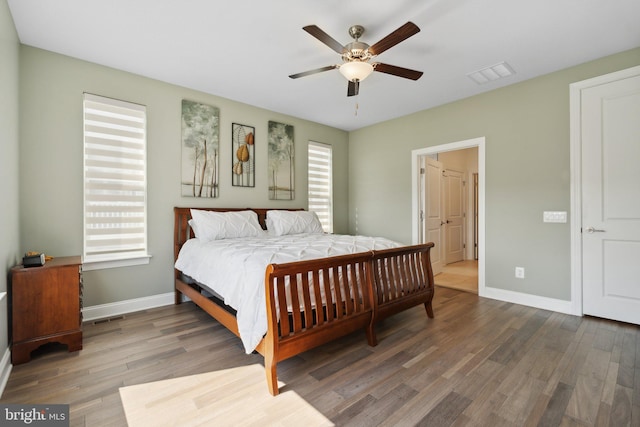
320, 183
115, 184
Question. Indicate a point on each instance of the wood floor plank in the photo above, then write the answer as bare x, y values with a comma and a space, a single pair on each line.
587, 391
338, 364
610, 383
555, 409
421, 404
447, 410
626, 369
486, 402
621, 408
578, 358
604, 414
382, 408
521, 401
636, 390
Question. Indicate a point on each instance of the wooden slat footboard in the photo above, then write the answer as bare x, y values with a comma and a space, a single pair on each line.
313, 302
402, 278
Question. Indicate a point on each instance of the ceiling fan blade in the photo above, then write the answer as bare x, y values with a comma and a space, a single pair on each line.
325, 38
402, 33
397, 71
310, 72
353, 88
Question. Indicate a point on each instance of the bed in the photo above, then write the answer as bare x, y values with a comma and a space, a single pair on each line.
308, 294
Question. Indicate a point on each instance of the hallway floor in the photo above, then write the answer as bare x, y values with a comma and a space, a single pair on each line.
461, 275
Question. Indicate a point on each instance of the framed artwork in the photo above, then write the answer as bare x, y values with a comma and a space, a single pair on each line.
280, 154
200, 149
243, 162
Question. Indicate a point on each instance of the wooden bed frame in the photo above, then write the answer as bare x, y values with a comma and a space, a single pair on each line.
368, 287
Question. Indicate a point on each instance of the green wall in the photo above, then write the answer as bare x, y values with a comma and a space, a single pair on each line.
526, 126
51, 88
9, 138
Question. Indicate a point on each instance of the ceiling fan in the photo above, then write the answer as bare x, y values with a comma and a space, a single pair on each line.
357, 56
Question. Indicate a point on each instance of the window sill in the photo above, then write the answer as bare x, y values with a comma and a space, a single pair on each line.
115, 263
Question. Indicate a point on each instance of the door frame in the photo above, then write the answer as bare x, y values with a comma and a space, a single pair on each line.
415, 195
575, 156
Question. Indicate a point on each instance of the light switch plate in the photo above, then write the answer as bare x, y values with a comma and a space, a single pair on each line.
554, 216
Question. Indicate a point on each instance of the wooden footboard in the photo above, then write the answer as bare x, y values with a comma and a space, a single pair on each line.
402, 278
313, 302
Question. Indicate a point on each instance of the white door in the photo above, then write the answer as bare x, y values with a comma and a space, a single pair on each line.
454, 216
432, 216
610, 142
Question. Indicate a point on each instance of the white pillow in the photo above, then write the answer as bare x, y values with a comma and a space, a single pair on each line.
193, 226
281, 223
210, 225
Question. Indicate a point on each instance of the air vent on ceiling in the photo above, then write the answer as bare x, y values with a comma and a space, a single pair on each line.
492, 73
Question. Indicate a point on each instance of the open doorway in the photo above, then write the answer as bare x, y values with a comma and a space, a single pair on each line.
448, 209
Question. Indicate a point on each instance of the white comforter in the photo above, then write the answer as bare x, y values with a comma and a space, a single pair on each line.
235, 268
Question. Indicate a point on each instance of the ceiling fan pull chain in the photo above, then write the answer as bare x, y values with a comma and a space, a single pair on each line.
356, 108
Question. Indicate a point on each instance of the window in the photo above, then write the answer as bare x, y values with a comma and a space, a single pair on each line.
320, 183
115, 183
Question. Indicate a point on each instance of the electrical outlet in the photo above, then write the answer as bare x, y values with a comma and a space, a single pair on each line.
520, 272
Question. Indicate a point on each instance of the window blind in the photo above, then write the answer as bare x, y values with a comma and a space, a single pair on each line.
320, 183
114, 179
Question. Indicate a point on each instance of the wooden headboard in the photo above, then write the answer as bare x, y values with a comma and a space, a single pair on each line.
182, 232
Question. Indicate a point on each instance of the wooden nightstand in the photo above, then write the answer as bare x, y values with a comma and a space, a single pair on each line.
45, 306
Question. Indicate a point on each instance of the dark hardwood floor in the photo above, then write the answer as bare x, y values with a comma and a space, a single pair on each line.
480, 362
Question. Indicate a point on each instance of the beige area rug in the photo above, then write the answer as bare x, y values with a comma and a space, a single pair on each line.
230, 397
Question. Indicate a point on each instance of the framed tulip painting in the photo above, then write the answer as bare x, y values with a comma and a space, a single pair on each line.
243, 171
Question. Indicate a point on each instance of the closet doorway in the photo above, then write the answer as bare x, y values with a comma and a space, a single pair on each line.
448, 209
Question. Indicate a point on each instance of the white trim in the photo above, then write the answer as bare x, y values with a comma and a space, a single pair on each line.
545, 303
415, 185
575, 173
128, 306
5, 369
5, 363
575, 161
115, 263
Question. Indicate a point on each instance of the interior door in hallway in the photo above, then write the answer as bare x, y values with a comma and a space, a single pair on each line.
431, 210
610, 142
454, 216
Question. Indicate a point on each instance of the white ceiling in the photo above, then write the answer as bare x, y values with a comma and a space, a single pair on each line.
245, 50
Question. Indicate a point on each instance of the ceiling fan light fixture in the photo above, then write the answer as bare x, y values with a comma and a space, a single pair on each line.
356, 70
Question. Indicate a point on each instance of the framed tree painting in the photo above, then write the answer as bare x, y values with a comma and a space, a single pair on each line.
200, 149
243, 162
280, 154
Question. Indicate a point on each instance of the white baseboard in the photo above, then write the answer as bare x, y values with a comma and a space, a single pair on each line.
5, 369
128, 306
536, 301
